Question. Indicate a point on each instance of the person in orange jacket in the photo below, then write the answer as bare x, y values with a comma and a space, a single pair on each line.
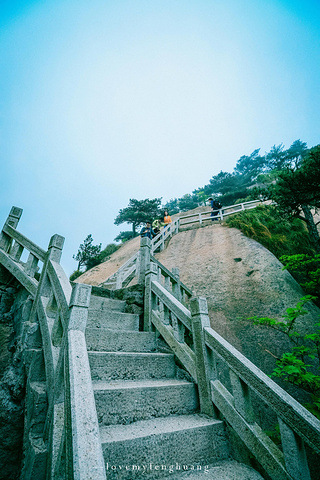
166, 218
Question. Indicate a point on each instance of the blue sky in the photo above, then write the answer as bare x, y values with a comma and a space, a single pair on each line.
103, 101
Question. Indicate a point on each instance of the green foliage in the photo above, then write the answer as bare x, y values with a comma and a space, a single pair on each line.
306, 269
86, 251
250, 165
103, 256
138, 212
297, 191
202, 197
301, 365
250, 170
172, 206
297, 152
275, 435
228, 186
276, 158
75, 275
264, 224
188, 202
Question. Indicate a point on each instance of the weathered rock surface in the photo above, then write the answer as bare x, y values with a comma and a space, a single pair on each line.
13, 304
240, 278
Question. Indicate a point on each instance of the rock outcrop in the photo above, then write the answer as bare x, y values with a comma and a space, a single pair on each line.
14, 308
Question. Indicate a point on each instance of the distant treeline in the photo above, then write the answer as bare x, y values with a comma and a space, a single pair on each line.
250, 170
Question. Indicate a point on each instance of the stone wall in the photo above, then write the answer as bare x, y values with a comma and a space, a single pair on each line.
14, 309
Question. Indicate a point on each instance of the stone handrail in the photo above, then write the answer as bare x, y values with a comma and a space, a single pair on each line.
172, 281
158, 242
198, 347
70, 430
121, 276
245, 373
201, 217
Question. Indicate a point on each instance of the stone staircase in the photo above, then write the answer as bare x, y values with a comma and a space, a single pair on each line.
148, 412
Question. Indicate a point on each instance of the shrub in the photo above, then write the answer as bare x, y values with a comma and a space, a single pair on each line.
281, 237
103, 256
125, 236
75, 275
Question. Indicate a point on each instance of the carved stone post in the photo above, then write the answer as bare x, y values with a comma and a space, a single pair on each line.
200, 319
144, 259
55, 248
83, 446
54, 253
151, 275
12, 220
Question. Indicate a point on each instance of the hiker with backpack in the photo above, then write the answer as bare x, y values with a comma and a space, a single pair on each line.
215, 205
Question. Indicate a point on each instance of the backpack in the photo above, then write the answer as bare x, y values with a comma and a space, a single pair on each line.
216, 205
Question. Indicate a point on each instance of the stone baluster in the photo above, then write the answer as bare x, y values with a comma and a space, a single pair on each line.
167, 283
200, 218
176, 286
178, 328
158, 274
31, 265
294, 453
242, 397
164, 313
200, 320
16, 251
12, 220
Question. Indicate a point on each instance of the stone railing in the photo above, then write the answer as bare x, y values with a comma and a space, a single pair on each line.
199, 348
63, 440
158, 242
201, 217
122, 277
124, 274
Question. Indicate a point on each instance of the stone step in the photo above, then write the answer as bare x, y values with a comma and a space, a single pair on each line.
103, 339
125, 402
113, 320
225, 470
148, 448
104, 303
131, 366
